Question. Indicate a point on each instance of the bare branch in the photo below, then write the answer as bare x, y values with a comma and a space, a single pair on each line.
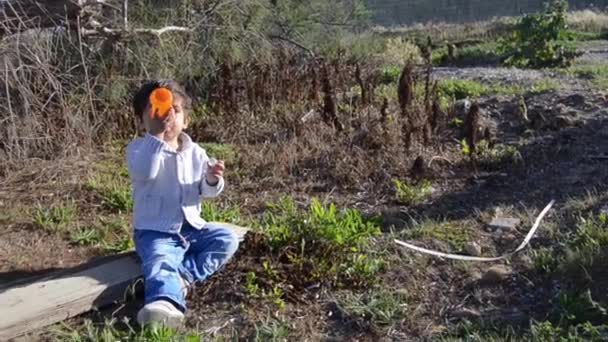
104, 31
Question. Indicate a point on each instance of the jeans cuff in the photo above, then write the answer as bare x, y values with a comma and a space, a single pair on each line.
181, 306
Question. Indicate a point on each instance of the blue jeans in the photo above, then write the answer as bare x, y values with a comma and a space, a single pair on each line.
193, 255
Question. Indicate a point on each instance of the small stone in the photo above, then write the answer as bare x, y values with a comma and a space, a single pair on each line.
466, 313
473, 249
475, 275
496, 274
505, 223
509, 238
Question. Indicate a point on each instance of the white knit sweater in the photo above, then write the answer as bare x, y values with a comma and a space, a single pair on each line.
168, 185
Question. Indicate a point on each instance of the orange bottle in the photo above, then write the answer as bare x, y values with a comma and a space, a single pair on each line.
161, 101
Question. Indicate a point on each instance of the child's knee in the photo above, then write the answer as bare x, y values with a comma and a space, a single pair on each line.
231, 242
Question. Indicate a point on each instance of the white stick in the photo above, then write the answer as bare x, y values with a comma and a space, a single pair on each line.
474, 258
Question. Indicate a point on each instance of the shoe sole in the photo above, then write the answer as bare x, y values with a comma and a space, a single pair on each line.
148, 316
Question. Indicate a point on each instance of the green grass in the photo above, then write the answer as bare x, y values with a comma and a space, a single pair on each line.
544, 331
471, 55
112, 185
271, 330
379, 307
497, 156
412, 194
577, 250
596, 73
456, 236
54, 219
324, 244
89, 236
225, 152
109, 332
462, 89
211, 212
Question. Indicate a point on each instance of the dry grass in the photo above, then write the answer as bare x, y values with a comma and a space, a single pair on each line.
588, 21
442, 32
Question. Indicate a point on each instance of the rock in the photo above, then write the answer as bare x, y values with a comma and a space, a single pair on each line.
475, 275
472, 248
505, 223
466, 313
509, 238
497, 274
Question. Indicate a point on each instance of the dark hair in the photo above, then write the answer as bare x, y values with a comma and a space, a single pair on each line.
142, 97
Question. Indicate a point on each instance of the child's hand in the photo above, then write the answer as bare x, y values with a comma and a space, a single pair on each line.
215, 171
160, 125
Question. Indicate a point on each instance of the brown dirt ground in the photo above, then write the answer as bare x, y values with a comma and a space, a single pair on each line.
562, 154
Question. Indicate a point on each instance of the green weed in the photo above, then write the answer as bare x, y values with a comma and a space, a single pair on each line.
412, 194
251, 284
322, 242
225, 152
497, 156
461, 89
597, 73
485, 53
117, 236
54, 219
379, 307
86, 236
212, 213
390, 74
109, 332
271, 330
112, 186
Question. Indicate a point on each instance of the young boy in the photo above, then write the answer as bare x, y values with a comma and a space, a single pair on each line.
170, 175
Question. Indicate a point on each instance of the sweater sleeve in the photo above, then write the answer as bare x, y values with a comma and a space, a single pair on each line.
143, 158
206, 190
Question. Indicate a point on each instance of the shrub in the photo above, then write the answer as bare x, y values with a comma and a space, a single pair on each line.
538, 40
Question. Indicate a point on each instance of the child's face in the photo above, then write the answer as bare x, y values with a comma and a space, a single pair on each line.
174, 127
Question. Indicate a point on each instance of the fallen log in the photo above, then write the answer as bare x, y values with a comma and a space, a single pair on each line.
27, 307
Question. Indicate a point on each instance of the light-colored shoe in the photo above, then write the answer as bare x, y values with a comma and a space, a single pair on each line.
160, 312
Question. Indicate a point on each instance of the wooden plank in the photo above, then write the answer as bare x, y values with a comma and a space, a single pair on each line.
68, 293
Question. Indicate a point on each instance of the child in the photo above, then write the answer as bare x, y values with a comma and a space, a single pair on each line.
170, 175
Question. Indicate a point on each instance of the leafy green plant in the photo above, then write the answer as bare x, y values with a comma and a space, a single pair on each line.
390, 74
321, 242
461, 89
251, 284
538, 40
54, 219
86, 236
495, 157
412, 194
